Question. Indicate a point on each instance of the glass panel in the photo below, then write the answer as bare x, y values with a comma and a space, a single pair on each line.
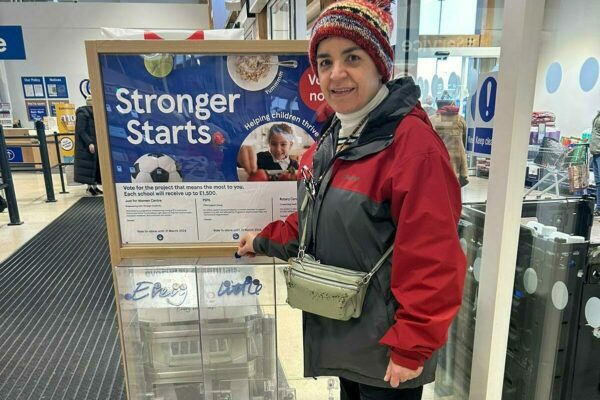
215, 330
450, 78
290, 353
439, 17
551, 260
551, 257
553, 335
159, 320
453, 377
280, 15
237, 330
290, 361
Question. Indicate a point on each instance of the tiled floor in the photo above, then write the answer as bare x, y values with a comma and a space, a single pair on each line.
33, 209
36, 214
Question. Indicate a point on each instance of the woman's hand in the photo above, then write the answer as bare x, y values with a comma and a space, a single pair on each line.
397, 374
92, 148
245, 246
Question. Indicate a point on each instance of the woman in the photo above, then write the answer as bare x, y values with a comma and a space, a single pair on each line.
384, 177
87, 166
452, 128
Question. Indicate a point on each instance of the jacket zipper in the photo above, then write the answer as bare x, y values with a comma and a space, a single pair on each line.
318, 185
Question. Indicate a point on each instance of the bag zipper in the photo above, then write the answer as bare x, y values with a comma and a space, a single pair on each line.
345, 272
323, 280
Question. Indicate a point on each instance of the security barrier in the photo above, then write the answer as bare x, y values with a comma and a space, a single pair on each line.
7, 183
46, 168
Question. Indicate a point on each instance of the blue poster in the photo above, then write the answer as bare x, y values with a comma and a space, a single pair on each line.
200, 110
36, 110
184, 128
33, 87
12, 45
56, 87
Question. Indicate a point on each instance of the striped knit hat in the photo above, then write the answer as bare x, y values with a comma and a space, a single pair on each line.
368, 24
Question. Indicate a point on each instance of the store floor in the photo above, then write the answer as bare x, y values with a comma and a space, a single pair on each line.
36, 214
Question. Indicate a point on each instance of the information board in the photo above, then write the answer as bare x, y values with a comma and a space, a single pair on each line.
36, 109
33, 87
56, 87
193, 141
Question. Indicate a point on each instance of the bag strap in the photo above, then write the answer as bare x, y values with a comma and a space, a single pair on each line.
385, 255
304, 222
302, 248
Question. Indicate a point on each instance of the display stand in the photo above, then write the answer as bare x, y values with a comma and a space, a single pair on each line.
6, 120
177, 125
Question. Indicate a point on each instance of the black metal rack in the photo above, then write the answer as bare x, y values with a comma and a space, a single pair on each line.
46, 169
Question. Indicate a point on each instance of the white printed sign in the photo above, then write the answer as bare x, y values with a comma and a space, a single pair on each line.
200, 212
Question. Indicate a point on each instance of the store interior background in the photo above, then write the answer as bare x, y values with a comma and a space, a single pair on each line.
54, 36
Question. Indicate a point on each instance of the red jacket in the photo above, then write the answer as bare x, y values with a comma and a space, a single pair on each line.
395, 184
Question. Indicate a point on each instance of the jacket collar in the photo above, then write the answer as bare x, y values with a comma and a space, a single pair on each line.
380, 128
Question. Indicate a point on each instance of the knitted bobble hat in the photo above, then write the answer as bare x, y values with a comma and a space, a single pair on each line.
369, 24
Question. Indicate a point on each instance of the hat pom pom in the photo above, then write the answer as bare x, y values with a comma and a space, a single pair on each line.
385, 5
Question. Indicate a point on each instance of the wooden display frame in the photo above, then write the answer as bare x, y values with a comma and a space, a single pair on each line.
94, 49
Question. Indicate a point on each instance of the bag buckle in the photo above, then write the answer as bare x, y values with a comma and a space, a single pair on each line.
309, 181
365, 280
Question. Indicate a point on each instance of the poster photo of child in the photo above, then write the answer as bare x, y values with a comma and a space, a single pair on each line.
271, 152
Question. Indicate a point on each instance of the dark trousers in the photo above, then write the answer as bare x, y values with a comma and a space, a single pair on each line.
357, 391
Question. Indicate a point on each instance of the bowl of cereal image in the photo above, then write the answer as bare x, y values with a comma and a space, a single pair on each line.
253, 71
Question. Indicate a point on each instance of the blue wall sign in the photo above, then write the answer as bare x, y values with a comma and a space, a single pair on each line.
15, 154
36, 110
482, 140
56, 87
480, 115
12, 46
33, 87
487, 99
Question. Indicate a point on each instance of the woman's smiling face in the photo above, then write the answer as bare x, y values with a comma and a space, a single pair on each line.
348, 76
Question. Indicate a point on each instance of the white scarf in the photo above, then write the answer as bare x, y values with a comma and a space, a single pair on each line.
350, 121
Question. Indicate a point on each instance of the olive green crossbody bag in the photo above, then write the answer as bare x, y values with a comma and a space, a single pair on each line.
326, 290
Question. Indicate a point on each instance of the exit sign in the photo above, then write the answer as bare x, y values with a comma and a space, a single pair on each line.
12, 46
